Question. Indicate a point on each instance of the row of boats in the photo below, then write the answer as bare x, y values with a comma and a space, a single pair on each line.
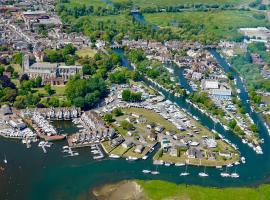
97, 152
69, 151
44, 144
201, 174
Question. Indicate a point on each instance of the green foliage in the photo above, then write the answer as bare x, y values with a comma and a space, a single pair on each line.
66, 54
117, 112
128, 95
126, 125
49, 90
86, 93
17, 58
108, 118
232, 124
203, 100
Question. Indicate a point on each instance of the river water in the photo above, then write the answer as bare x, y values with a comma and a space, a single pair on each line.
30, 174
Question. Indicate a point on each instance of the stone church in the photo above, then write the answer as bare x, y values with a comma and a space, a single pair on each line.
51, 73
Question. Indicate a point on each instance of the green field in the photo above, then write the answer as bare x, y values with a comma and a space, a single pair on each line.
86, 52
159, 190
95, 3
209, 26
59, 90
162, 3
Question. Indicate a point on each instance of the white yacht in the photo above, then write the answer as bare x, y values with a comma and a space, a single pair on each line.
5, 160
114, 156
235, 175
145, 157
179, 164
154, 172
145, 171
225, 174
203, 174
184, 174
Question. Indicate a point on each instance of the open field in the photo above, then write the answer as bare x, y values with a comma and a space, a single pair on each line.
151, 116
212, 25
86, 52
157, 190
162, 190
59, 90
162, 3
95, 3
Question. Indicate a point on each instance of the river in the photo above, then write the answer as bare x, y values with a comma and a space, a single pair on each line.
30, 174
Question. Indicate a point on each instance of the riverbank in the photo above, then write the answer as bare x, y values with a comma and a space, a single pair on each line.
157, 190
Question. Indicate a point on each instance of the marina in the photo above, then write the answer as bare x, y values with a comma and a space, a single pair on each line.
58, 168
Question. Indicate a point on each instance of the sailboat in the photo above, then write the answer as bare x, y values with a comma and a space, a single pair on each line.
155, 172
203, 174
225, 174
146, 171
5, 160
185, 173
235, 175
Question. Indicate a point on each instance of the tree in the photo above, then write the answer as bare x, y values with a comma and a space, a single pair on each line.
24, 77
53, 101
86, 69
232, 124
2, 69
9, 94
117, 112
126, 125
17, 58
70, 60
38, 81
91, 90
126, 95
49, 90
254, 128
109, 118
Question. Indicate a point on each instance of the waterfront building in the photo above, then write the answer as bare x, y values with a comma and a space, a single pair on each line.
222, 94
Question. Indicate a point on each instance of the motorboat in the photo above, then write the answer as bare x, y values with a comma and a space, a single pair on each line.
145, 171
145, 157
203, 174
114, 156
179, 164
225, 174
5, 160
155, 172
235, 175
184, 174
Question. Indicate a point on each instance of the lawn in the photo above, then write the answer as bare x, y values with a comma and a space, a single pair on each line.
86, 52
151, 116
59, 90
162, 3
158, 190
212, 25
95, 3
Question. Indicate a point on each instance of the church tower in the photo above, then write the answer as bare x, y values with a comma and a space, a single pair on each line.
25, 63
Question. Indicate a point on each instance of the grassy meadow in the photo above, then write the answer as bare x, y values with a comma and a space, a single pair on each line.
162, 3
212, 25
159, 190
